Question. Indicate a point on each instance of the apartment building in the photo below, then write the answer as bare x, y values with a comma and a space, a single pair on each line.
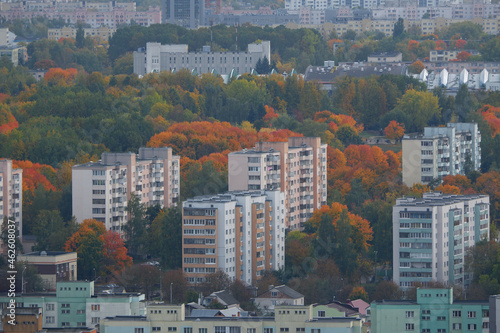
172, 318
76, 304
433, 311
241, 233
104, 33
11, 196
441, 151
431, 236
155, 58
296, 167
101, 190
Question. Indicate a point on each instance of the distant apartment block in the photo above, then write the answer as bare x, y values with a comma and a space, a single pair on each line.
110, 14
296, 167
240, 233
479, 76
104, 33
11, 196
52, 266
431, 236
447, 55
101, 190
441, 151
155, 58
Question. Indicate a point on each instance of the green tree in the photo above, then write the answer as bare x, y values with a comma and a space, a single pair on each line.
80, 37
165, 237
51, 231
465, 103
399, 29
490, 51
136, 226
420, 107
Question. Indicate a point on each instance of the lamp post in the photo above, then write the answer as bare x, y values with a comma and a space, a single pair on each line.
171, 284
375, 278
22, 280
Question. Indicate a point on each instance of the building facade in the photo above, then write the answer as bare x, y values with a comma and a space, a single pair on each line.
172, 318
431, 236
296, 167
441, 151
155, 58
241, 233
75, 304
11, 196
104, 33
186, 13
433, 311
101, 190
28, 320
52, 266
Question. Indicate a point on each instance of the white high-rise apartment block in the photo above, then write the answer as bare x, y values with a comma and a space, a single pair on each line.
296, 167
441, 151
101, 190
431, 236
11, 196
241, 233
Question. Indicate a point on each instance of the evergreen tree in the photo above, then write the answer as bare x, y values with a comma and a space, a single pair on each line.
399, 29
80, 37
262, 66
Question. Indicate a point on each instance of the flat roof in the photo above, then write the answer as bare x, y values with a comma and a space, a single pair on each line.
46, 253
442, 200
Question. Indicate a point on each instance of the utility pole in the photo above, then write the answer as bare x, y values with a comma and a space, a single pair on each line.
171, 284
22, 280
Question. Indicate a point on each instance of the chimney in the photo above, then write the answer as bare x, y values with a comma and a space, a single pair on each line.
270, 287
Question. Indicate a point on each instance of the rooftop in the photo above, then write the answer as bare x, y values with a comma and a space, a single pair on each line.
437, 199
359, 70
46, 253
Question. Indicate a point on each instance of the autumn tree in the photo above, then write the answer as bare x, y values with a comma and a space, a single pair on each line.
386, 290
420, 107
100, 251
394, 131
416, 67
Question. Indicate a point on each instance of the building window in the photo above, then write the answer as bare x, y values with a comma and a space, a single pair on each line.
471, 327
441, 318
156, 329
457, 326
471, 314
284, 329
96, 307
64, 324
410, 314
410, 327
204, 330
268, 330
65, 311
49, 320
274, 294
426, 330
315, 330
251, 330
95, 320
300, 329
486, 324
138, 330
80, 311
457, 314
234, 329
172, 329
49, 307
65, 305
321, 313
188, 330
486, 313
441, 330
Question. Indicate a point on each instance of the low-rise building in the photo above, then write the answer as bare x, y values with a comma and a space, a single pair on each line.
155, 58
27, 320
268, 301
385, 57
52, 266
434, 310
75, 304
172, 318
104, 33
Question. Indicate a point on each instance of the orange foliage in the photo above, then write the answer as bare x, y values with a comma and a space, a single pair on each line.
34, 175
201, 138
394, 131
7, 121
463, 56
361, 226
413, 44
460, 44
492, 115
440, 45
448, 189
461, 182
337, 120
60, 76
270, 114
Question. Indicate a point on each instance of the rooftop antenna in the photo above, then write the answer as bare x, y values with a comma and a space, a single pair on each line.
211, 33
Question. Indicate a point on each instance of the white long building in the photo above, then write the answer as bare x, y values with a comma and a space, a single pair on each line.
101, 190
155, 58
431, 236
485, 80
241, 233
440, 151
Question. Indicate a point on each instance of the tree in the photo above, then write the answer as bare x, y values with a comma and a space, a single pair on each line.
416, 67
394, 131
80, 37
490, 51
386, 290
216, 282
135, 229
465, 103
262, 66
100, 251
179, 286
420, 107
399, 29
165, 238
